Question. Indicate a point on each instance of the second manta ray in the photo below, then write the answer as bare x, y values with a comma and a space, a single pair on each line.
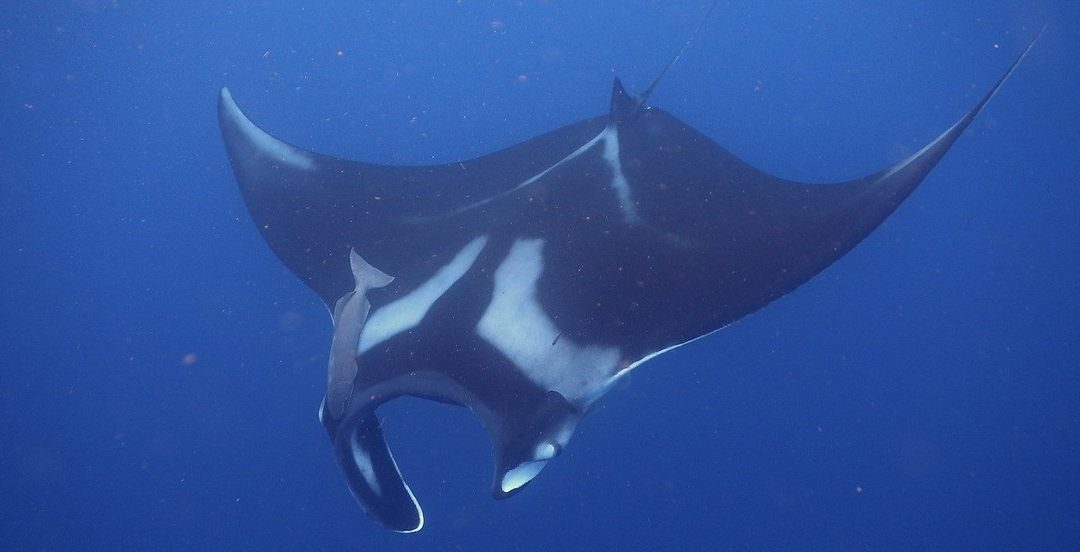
523, 283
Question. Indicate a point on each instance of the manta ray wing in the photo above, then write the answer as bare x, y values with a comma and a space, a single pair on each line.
521, 284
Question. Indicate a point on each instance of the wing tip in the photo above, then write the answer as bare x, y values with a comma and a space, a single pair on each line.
226, 104
240, 132
929, 155
229, 113
1004, 77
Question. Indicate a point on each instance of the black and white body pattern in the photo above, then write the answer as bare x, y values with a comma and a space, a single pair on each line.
521, 284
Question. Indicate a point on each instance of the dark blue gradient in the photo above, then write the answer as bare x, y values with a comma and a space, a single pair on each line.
160, 371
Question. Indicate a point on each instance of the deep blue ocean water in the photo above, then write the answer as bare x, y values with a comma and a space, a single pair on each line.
160, 371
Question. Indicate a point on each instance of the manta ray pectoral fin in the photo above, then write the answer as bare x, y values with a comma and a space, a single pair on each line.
902, 177
373, 476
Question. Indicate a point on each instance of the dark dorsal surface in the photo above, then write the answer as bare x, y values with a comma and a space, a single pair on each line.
522, 283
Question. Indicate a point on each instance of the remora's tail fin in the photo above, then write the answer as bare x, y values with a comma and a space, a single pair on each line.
366, 276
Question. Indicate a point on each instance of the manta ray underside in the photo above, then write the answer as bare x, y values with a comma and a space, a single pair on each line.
521, 284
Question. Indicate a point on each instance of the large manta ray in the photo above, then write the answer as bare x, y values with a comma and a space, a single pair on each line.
523, 283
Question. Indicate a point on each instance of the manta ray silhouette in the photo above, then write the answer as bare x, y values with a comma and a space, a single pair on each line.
521, 284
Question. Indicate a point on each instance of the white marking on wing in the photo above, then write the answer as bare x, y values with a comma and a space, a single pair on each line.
515, 323
407, 312
527, 181
265, 143
896, 168
619, 183
618, 180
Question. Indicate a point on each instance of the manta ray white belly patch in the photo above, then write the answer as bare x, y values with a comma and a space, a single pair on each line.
515, 323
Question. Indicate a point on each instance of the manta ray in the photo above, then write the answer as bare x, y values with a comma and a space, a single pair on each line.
522, 284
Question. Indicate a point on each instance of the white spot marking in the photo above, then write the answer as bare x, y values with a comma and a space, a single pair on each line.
544, 451
406, 312
266, 144
516, 325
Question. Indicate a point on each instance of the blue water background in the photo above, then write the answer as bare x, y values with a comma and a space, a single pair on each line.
160, 371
